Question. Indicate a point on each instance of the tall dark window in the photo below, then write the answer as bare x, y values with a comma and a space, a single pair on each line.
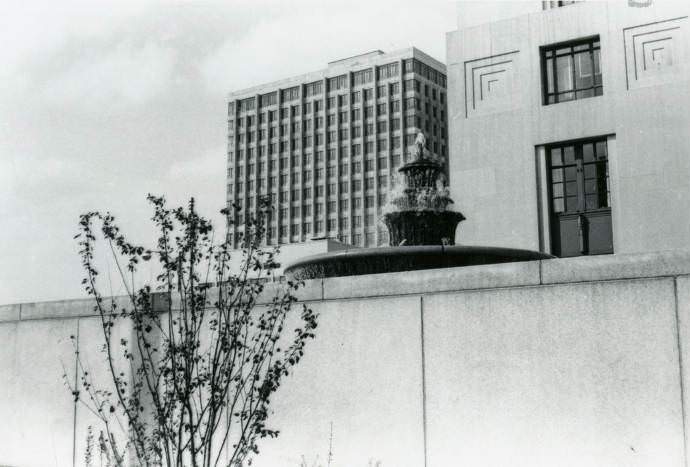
580, 198
571, 71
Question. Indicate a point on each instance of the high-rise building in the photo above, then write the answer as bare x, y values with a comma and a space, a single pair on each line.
569, 129
324, 147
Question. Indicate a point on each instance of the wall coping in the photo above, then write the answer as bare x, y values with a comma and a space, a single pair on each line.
490, 276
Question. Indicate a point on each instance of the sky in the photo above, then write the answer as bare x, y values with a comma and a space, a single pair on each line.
102, 103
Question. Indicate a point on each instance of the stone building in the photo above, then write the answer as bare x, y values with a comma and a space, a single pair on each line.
569, 128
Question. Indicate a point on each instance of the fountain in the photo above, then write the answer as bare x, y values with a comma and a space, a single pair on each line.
421, 231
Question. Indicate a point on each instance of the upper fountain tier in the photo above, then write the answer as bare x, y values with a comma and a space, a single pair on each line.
418, 214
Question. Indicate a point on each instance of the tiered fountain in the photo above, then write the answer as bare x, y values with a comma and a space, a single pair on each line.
421, 231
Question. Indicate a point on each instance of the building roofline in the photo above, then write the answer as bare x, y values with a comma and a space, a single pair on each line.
335, 68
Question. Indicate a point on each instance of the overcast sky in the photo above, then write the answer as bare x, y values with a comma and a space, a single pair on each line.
102, 103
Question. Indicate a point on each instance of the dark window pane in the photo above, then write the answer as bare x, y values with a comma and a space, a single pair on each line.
583, 94
601, 149
571, 203
569, 154
590, 186
557, 175
556, 157
570, 174
557, 190
571, 188
591, 202
564, 73
583, 70
588, 152
590, 171
549, 76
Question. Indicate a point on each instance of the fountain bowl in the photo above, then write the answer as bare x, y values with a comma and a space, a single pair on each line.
358, 261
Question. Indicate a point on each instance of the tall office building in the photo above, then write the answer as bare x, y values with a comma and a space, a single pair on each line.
324, 147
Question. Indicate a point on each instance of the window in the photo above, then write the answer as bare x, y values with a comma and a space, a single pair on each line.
387, 71
571, 71
580, 198
362, 77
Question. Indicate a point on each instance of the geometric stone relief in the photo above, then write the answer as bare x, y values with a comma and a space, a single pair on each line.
655, 52
490, 83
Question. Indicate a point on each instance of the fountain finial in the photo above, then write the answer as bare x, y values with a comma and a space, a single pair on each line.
420, 144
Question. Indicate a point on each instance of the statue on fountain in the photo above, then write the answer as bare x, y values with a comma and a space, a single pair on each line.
418, 212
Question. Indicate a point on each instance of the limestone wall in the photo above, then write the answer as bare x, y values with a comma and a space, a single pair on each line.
556, 362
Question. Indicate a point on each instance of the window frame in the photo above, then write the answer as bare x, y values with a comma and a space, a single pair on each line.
571, 44
581, 213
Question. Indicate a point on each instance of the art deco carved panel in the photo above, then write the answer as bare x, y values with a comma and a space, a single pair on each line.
655, 52
489, 83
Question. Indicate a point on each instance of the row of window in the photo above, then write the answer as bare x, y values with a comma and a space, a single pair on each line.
357, 149
359, 78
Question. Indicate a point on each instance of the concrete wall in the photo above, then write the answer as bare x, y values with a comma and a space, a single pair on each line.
493, 168
575, 361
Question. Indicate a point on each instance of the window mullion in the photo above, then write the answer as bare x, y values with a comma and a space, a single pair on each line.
580, 174
554, 67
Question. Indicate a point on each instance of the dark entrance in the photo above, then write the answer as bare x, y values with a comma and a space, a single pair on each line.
580, 198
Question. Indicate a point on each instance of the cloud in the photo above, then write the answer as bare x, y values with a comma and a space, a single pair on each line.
304, 40
126, 74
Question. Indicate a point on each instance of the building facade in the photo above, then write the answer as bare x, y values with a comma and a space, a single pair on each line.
324, 147
569, 128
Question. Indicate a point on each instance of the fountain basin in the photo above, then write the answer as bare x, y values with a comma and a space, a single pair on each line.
403, 258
